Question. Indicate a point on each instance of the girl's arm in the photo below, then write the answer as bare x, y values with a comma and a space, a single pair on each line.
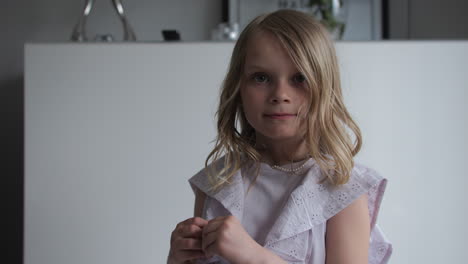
348, 233
267, 257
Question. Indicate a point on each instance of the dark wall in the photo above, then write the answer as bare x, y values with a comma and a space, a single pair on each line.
11, 116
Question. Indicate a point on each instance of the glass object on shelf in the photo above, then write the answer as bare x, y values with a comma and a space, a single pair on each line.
79, 31
225, 32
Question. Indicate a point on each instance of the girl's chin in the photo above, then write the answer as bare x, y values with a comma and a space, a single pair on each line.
281, 136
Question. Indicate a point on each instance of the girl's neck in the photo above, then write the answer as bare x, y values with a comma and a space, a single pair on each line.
282, 152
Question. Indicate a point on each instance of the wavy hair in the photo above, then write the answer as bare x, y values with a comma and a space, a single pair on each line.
328, 122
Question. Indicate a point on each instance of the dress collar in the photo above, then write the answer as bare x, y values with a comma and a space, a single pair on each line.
311, 203
294, 217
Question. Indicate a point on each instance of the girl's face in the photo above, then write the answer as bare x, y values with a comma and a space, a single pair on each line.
273, 91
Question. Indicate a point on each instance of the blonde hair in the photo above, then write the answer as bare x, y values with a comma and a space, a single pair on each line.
310, 48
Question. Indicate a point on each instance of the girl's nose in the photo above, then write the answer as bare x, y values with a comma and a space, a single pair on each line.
280, 92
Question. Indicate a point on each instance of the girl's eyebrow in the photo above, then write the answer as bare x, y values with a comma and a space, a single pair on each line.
255, 66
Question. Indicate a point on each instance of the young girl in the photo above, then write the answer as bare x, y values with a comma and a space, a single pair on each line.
280, 185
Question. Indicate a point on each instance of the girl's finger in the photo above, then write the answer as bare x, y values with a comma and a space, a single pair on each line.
196, 221
190, 230
185, 255
213, 225
187, 244
208, 241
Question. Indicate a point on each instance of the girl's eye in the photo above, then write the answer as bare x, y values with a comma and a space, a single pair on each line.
260, 78
299, 78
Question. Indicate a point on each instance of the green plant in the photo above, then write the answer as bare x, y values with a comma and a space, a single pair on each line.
323, 10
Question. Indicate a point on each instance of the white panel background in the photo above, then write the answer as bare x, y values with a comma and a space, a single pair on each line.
113, 131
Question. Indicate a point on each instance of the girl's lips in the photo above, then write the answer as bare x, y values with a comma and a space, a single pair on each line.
280, 116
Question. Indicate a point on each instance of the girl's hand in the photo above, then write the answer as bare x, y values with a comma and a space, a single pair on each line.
186, 241
225, 236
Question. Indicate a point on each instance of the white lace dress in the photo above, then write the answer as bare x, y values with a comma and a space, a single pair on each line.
287, 214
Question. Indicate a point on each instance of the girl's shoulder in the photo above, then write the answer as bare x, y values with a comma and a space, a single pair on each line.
365, 172
201, 179
332, 199
364, 178
319, 202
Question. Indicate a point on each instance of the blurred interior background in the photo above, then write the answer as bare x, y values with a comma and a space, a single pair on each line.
24, 21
